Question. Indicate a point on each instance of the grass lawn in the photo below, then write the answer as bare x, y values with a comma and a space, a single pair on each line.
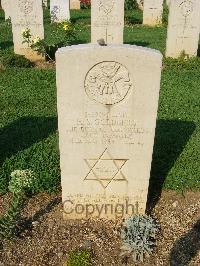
28, 118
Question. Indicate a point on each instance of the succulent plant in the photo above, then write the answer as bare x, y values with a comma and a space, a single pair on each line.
138, 235
21, 181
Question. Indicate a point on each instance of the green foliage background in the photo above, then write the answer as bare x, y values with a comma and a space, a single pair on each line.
130, 4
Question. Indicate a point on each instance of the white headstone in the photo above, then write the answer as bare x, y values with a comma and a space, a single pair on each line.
152, 13
74, 4
183, 28
27, 14
6, 7
107, 21
59, 10
107, 99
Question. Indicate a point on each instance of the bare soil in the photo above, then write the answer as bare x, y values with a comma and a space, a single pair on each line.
46, 239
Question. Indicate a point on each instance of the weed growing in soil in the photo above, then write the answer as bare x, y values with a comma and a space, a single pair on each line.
20, 183
138, 237
79, 258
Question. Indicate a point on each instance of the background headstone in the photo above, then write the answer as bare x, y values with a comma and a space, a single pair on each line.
27, 14
152, 13
107, 21
6, 7
183, 28
75, 4
107, 106
59, 10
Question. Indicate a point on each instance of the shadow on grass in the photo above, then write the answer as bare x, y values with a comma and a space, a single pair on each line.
81, 15
5, 45
170, 139
81, 19
132, 20
2, 17
138, 43
52, 49
198, 51
78, 41
186, 247
23, 133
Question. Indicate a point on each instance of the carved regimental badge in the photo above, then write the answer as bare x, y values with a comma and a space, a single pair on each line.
186, 8
106, 6
108, 83
26, 6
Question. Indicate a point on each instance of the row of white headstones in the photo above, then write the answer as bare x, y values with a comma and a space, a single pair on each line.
107, 100
107, 21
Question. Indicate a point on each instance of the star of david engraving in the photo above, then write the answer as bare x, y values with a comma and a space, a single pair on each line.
105, 169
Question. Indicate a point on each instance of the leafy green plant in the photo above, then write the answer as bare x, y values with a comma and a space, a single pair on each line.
165, 14
20, 184
21, 181
138, 235
184, 55
79, 258
130, 4
8, 21
8, 223
41, 47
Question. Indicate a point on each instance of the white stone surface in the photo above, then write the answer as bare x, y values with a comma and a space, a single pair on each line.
27, 14
107, 99
152, 13
59, 10
6, 7
74, 4
183, 28
107, 21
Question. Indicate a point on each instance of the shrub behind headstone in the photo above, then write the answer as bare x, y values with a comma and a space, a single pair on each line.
130, 4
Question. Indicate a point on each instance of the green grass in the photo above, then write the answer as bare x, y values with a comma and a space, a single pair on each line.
79, 258
28, 124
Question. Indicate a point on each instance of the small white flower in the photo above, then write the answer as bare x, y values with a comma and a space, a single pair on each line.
25, 31
21, 180
36, 40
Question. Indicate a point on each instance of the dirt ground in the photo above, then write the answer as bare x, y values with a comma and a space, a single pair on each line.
46, 239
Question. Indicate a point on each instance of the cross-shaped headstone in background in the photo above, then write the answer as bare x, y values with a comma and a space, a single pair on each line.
107, 19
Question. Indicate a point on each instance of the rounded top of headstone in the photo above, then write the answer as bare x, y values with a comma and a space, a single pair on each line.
111, 47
